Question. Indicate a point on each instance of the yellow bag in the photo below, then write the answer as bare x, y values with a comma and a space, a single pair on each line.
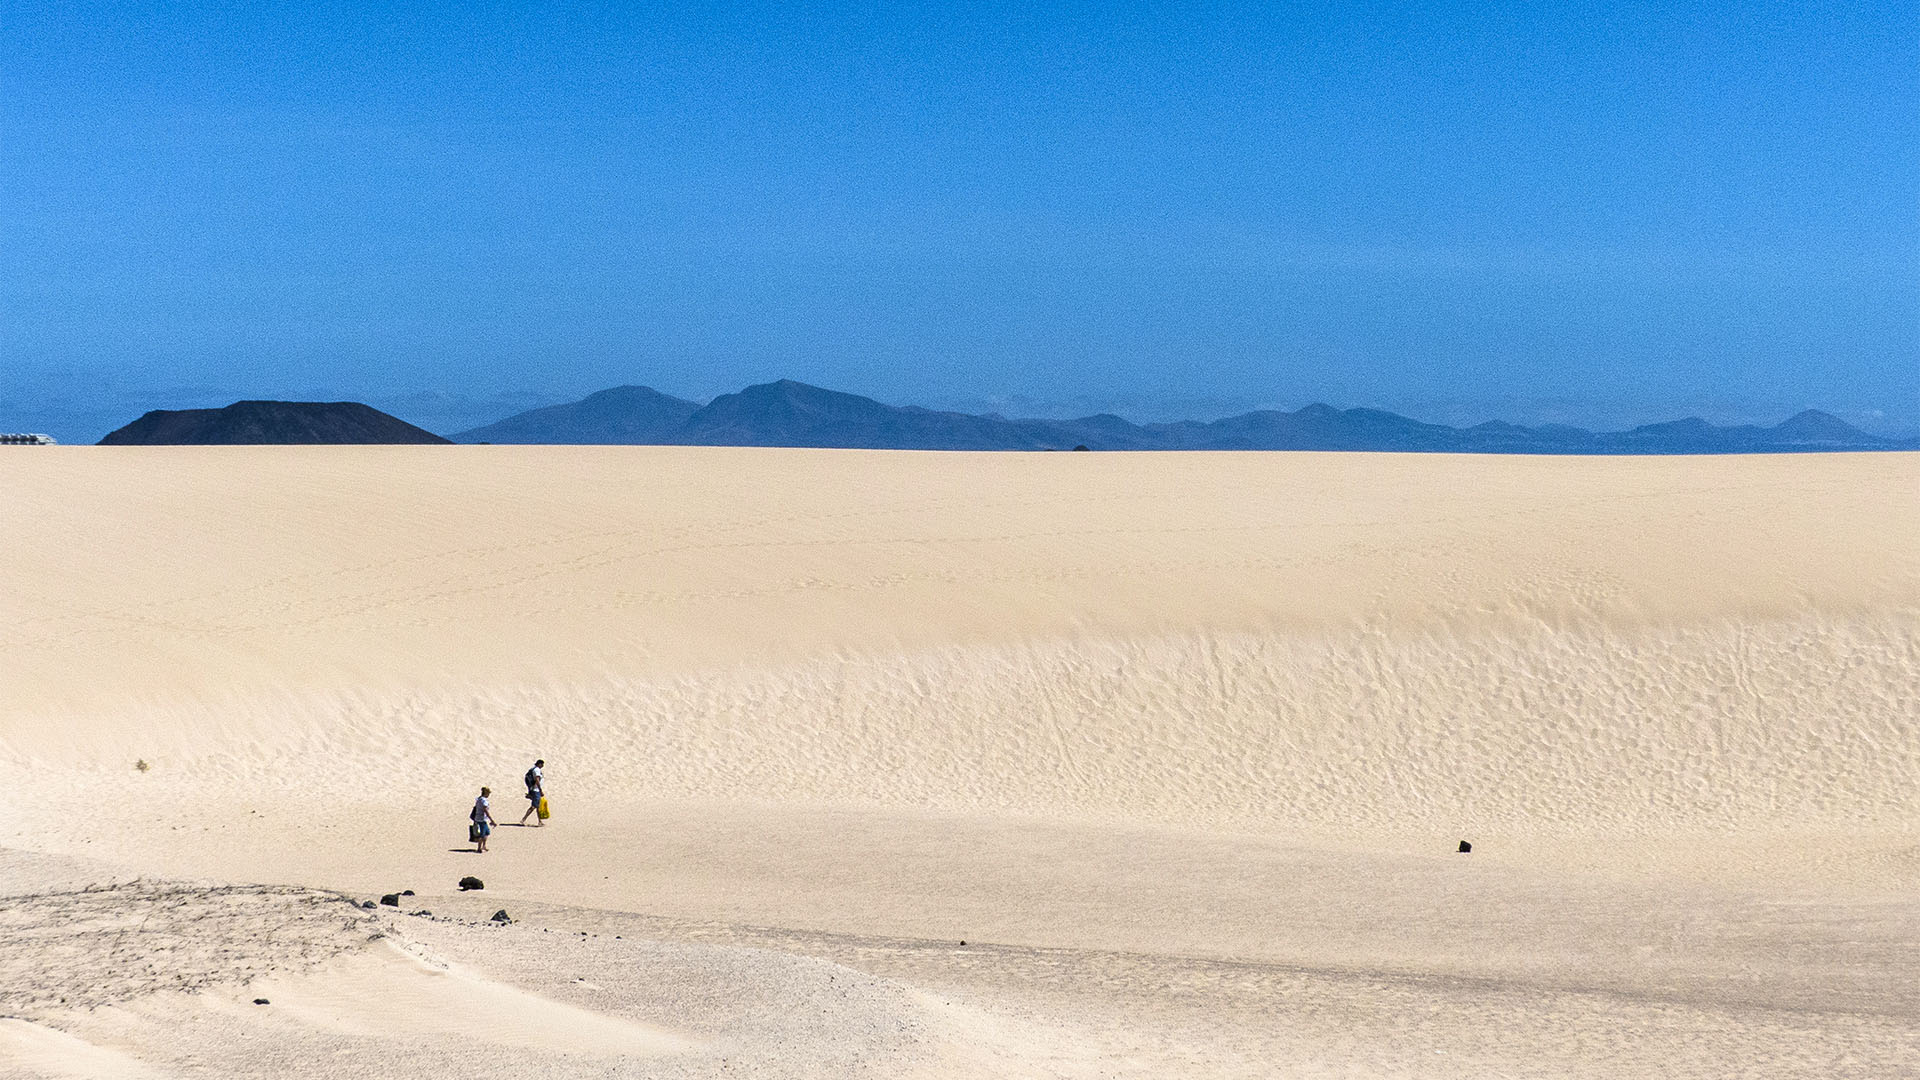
543, 808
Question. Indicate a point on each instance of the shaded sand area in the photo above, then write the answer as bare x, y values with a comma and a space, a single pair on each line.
1180, 746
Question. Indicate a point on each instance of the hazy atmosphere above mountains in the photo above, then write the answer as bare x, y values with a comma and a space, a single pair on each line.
1548, 215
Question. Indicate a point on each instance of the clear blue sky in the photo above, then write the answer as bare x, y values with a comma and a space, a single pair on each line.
1586, 212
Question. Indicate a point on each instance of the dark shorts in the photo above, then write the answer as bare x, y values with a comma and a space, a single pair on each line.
485, 828
534, 797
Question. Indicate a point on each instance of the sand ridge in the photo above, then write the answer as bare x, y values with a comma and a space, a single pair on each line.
215, 571
1774, 725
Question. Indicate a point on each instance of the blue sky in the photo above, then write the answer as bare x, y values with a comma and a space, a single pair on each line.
1587, 213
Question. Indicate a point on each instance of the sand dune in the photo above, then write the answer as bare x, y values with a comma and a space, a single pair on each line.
1135, 714
30, 1049
1775, 724
389, 991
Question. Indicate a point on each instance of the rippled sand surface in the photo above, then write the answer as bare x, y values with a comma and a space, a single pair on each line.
1180, 745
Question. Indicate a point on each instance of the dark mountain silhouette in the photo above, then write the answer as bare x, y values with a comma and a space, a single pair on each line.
269, 422
789, 413
1815, 428
624, 414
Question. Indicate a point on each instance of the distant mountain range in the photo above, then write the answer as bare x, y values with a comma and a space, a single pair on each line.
788, 413
254, 422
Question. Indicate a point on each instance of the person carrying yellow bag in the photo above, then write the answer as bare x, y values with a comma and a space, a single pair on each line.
536, 793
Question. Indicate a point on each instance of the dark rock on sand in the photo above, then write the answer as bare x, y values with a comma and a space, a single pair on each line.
471, 882
501, 916
391, 900
1465, 847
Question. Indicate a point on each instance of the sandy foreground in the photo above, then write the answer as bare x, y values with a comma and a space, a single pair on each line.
1179, 745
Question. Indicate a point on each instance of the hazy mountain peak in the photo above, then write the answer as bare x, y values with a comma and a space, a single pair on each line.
618, 415
1812, 425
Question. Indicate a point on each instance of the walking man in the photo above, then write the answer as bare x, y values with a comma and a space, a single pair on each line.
536, 790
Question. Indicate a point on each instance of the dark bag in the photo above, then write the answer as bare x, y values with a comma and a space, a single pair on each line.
473, 832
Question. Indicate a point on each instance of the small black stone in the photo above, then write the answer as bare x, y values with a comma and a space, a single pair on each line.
391, 899
368, 904
467, 883
502, 916
261, 1001
1465, 847
963, 943
406, 892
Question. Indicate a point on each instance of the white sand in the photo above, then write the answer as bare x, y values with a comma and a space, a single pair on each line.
1180, 744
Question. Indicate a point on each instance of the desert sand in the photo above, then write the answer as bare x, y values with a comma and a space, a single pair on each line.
1179, 745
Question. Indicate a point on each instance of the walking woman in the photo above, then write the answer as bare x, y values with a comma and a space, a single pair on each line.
482, 815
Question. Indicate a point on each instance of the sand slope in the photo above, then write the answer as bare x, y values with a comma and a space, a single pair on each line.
1311, 642
1179, 710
